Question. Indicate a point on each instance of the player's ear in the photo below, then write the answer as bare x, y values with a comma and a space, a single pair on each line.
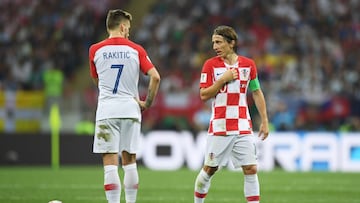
232, 44
121, 26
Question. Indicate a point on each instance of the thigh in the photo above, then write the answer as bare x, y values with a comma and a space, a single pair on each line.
244, 151
218, 149
130, 135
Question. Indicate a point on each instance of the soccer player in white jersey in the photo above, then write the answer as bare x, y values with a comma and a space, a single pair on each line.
115, 65
226, 78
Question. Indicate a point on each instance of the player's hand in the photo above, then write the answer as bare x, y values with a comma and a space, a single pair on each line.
230, 75
141, 104
264, 130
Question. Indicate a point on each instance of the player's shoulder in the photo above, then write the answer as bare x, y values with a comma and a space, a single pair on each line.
98, 45
135, 45
245, 60
116, 41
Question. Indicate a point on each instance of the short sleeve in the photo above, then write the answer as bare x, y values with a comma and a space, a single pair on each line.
206, 77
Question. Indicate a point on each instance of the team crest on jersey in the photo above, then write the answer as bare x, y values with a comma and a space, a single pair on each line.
203, 77
244, 73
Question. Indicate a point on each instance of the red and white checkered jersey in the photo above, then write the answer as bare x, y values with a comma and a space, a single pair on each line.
230, 113
117, 62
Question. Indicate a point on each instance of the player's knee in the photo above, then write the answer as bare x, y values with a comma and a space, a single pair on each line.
110, 159
210, 170
250, 169
127, 158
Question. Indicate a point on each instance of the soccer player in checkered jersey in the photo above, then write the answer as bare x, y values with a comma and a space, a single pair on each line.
115, 65
226, 78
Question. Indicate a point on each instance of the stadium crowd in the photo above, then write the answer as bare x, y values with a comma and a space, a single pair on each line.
306, 53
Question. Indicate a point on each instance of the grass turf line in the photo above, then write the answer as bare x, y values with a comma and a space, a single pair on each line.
84, 184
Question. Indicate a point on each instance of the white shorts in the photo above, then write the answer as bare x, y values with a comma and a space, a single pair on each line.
240, 149
116, 135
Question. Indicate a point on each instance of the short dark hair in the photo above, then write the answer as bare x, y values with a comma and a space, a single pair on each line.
114, 17
228, 33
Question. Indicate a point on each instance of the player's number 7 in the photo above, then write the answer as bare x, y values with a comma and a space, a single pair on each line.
120, 67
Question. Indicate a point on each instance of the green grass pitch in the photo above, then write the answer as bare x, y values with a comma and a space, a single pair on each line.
84, 184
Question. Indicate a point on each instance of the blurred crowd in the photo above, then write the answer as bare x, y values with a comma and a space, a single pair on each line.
306, 53
44, 43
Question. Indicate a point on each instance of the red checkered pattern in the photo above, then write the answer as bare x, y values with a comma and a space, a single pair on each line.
230, 110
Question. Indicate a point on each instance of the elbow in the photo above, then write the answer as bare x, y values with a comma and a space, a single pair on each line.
204, 98
154, 75
156, 78
203, 95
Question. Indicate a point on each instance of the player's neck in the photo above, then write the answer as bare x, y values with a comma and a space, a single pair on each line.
231, 58
113, 36
116, 34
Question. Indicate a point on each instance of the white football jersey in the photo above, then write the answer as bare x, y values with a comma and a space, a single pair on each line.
117, 62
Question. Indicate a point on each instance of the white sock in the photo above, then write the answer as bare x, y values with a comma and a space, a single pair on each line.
131, 182
252, 188
112, 184
202, 185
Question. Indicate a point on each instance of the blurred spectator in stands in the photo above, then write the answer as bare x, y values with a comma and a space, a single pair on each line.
202, 117
306, 50
53, 80
86, 125
308, 118
351, 124
284, 118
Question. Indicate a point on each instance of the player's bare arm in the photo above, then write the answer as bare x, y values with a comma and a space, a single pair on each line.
261, 106
210, 92
154, 84
153, 87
